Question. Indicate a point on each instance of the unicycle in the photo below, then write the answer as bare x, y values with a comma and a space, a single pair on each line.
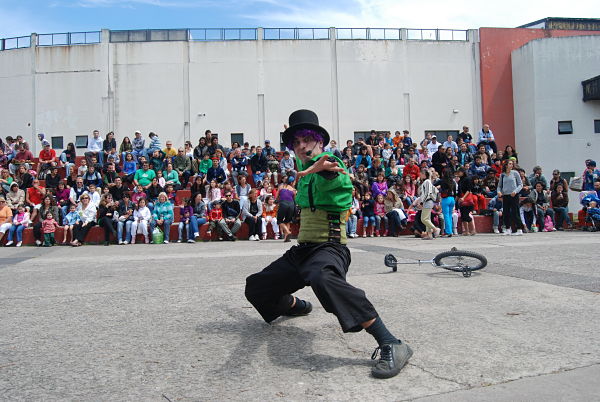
455, 260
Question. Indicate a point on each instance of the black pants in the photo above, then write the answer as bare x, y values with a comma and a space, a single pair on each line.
107, 224
80, 230
395, 226
37, 231
254, 228
322, 266
510, 212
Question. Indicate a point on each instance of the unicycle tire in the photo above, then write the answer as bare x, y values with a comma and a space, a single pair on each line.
460, 261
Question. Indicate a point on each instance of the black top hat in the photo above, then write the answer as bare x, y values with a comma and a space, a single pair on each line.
303, 119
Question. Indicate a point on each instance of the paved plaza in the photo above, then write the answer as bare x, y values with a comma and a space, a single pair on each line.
171, 323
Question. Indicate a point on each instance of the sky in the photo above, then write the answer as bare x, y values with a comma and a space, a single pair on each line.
22, 17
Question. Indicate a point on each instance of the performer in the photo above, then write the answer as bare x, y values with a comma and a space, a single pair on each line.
321, 258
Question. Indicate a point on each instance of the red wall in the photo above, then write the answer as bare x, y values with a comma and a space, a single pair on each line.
495, 46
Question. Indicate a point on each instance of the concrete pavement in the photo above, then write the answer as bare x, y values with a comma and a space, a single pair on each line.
170, 322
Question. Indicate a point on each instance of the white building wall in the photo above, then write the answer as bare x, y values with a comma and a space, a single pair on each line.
547, 76
180, 89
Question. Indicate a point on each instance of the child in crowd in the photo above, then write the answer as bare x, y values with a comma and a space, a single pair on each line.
528, 215
184, 226
495, 206
19, 223
171, 194
273, 169
69, 221
138, 194
214, 216
379, 186
353, 215
368, 213
160, 178
214, 193
380, 216
593, 215
129, 168
94, 195
82, 169
270, 216
204, 165
141, 220
49, 226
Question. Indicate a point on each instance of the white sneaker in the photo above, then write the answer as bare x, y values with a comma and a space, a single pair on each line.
191, 241
10, 243
196, 234
518, 233
179, 241
120, 242
507, 232
166, 242
38, 242
256, 238
454, 232
496, 230
19, 244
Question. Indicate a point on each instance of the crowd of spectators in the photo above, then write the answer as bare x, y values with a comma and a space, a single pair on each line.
132, 188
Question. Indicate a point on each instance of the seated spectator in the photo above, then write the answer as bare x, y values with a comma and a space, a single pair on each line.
61, 195
216, 173
231, 216
269, 215
6, 216
449, 143
556, 180
376, 169
153, 192
82, 168
481, 151
23, 157
155, 145
490, 184
252, 211
144, 176
87, 211
47, 158
593, 215
19, 223
185, 224
464, 155
24, 178
162, 216
542, 205
590, 175
125, 148
242, 189
172, 176
393, 172
33, 198
139, 145
53, 178
169, 151
95, 146
379, 186
527, 188
69, 222
528, 215
496, 207
239, 163
198, 217
48, 205
141, 219
363, 158
108, 208
15, 197
94, 195
478, 194
157, 160
182, 164
259, 166
538, 177
479, 168
368, 214
272, 169
560, 205
486, 137
125, 218
411, 169
439, 160
92, 177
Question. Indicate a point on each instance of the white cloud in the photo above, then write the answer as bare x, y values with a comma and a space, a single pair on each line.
457, 14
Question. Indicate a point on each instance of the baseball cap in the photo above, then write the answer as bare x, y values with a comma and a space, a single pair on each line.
592, 163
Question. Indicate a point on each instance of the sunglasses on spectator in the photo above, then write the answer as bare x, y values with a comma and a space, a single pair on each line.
227, 195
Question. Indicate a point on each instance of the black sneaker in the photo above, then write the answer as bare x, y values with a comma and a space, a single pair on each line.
393, 357
294, 312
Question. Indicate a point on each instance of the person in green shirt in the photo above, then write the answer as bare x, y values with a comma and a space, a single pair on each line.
321, 258
172, 177
144, 176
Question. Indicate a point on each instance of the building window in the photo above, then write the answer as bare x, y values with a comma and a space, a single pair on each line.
57, 142
282, 146
237, 137
597, 126
81, 141
565, 127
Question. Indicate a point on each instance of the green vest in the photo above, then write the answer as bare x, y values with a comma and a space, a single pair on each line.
319, 197
333, 195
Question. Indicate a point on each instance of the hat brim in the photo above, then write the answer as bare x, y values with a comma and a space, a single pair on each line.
288, 134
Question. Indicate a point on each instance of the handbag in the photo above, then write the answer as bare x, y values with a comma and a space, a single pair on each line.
576, 183
548, 225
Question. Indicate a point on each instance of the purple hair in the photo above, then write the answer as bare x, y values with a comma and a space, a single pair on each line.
305, 132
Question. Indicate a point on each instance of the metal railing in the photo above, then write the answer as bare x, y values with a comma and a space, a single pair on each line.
295, 33
234, 34
222, 34
68, 38
396, 34
17, 42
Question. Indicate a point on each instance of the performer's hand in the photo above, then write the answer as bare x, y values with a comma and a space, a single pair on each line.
323, 164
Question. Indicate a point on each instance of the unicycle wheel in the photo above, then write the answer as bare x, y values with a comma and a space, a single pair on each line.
460, 261
390, 261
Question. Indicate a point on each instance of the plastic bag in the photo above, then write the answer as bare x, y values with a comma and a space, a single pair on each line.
576, 183
157, 236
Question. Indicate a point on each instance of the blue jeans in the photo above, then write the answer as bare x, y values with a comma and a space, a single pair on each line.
258, 177
18, 229
447, 208
195, 224
367, 219
351, 224
166, 227
561, 215
127, 225
68, 165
